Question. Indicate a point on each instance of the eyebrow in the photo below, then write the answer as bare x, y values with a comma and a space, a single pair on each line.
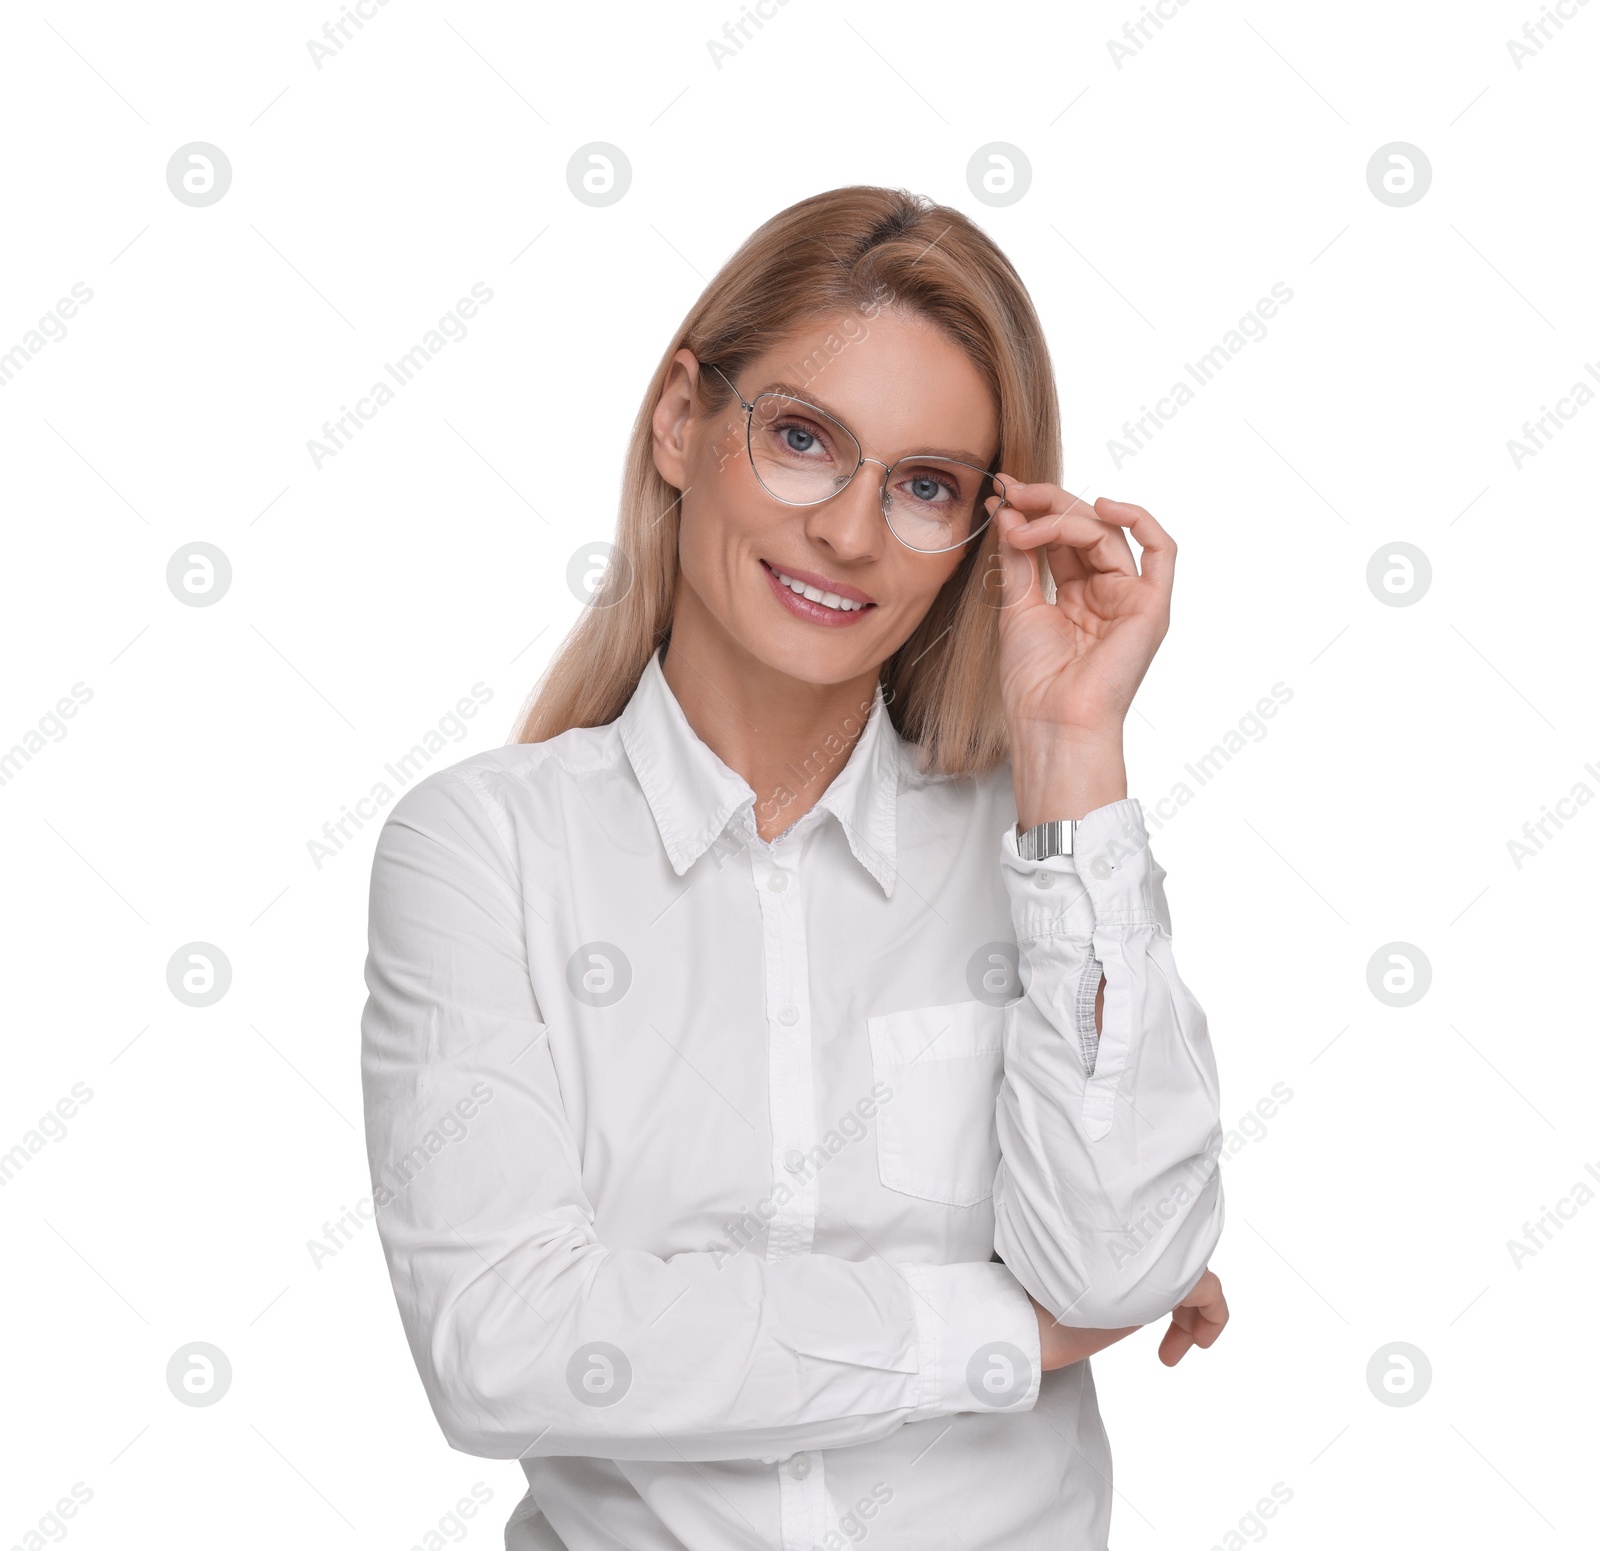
960, 455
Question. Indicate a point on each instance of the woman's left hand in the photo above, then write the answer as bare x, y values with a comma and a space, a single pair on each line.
1069, 669
1073, 666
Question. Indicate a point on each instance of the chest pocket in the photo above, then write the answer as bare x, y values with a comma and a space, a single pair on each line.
936, 1136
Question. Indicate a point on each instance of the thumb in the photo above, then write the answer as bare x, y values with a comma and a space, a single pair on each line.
1019, 568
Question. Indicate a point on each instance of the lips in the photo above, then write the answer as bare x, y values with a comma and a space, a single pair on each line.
818, 599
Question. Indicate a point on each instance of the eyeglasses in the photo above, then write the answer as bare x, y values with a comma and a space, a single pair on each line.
803, 456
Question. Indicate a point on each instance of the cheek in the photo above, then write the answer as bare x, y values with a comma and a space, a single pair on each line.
714, 455
720, 533
922, 582
726, 450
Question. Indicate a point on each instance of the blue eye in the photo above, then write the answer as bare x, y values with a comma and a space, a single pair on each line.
931, 489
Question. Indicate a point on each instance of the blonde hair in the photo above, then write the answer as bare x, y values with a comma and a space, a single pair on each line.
860, 249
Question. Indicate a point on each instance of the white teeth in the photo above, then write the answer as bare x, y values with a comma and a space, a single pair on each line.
830, 600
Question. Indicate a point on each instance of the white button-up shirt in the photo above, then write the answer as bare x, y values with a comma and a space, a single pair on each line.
713, 1174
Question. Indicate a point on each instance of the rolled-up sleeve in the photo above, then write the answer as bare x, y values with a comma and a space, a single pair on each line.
531, 1335
1108, 1202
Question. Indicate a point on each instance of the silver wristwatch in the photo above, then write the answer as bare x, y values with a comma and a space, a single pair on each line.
1052, 838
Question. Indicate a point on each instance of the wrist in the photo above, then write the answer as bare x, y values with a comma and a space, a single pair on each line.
1062, 775
1062, 1345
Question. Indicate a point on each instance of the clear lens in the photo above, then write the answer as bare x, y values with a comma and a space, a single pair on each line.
799, 453
936, 503
803, 456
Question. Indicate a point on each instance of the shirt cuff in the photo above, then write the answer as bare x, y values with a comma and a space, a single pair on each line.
1107, 881
977, 1339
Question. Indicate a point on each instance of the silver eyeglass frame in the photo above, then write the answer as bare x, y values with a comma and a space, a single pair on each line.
884, 500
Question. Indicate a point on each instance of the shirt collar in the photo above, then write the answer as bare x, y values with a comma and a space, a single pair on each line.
692, 794
862, 796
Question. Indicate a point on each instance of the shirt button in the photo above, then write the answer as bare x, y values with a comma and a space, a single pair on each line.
1101, 868
799, 1467
794, 1160
1041, 879
777, 880
788, 1015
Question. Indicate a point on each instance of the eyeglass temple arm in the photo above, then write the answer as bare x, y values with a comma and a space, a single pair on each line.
727, 379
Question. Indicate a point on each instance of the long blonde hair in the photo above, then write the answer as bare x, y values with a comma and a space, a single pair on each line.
860, 249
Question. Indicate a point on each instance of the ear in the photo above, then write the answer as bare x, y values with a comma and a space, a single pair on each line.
672, 422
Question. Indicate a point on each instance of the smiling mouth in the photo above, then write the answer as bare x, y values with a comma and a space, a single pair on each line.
818, 596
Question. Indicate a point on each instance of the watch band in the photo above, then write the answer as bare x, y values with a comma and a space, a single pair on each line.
1052, 838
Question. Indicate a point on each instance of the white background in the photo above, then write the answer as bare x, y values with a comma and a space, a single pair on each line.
369, 595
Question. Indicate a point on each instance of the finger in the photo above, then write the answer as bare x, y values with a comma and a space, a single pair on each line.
1039, 496
1019, 571
1077, 543
1039, 499
1198, 1320
1204, 1321
1217, 1310
1202, 1331
1103, 542
1174, 1344
1068, 563
1159, 553
1049, 509
1207, 1298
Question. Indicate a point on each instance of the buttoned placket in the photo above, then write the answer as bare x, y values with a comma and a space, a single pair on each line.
803, 1504
776, 873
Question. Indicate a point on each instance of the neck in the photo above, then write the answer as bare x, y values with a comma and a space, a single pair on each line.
788, 738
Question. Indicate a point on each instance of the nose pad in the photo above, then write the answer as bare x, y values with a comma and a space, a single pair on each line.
833, 521
885, 500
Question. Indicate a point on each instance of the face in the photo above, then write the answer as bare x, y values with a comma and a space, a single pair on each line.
902, 387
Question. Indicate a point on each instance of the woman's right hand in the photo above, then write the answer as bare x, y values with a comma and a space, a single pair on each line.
1196, 1321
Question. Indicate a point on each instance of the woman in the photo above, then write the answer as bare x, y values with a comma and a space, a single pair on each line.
777, 1077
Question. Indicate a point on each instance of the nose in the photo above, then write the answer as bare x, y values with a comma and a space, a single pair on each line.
851, 523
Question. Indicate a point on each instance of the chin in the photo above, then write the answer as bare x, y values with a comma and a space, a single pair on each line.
813, 661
